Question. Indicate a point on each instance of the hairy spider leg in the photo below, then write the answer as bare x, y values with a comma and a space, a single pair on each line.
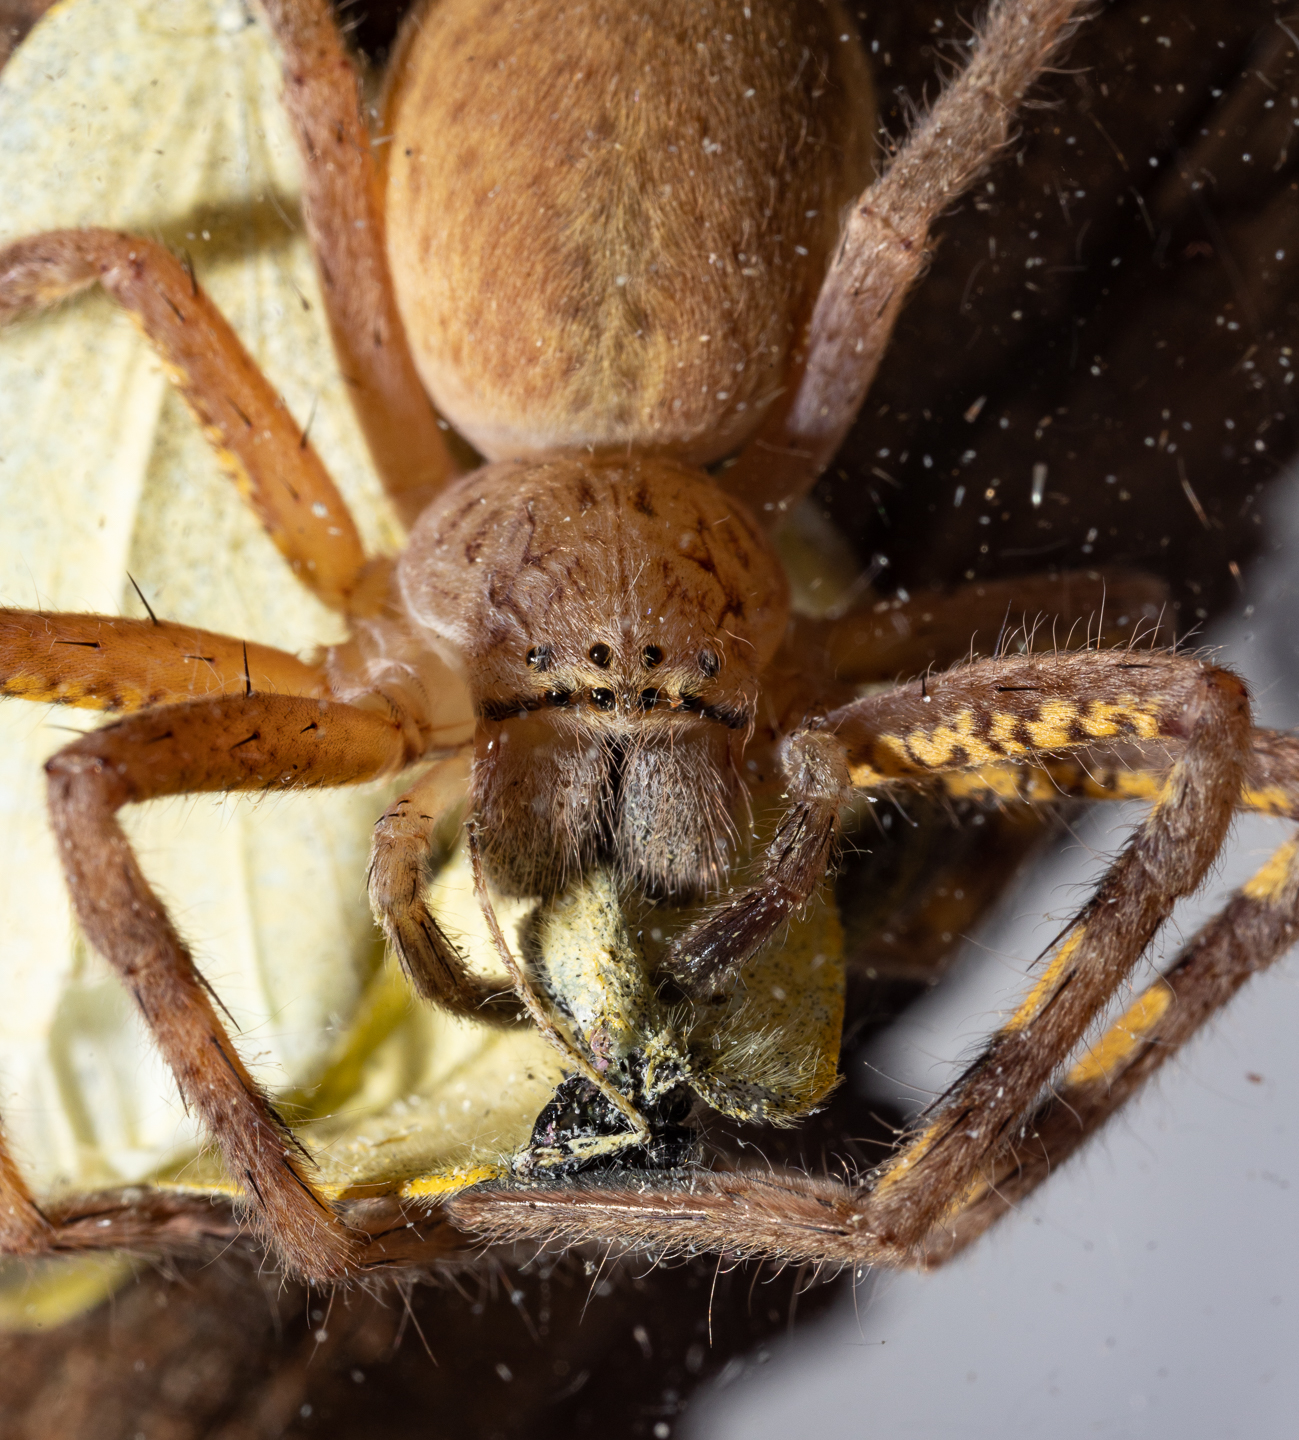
252, 742
795, 1218
98, 662
219, 714
888, 640
1038, 705
1258, 925
387, 1232
800, 1219
966, 718
1271, 782
24, 1229
885, 248
403, 857
344, 213
248, 425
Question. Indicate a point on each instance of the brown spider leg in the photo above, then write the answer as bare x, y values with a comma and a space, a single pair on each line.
255, 742
24, 1228
343, 204
886, 639
246, 422
963, 719
1259, 924
1166, 859
155, 1222
401, 857
97, 662
885, 247
789, 1216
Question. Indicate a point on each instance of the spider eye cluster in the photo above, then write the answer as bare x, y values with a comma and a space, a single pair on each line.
542, 657
678, 696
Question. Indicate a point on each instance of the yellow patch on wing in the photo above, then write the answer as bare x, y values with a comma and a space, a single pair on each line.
450, 1182
44, 1294
1122, 1038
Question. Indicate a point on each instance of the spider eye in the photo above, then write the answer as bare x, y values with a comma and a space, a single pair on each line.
709, 663
557, 697
602, 699
539, 657
651, 656
647, 699
601, 654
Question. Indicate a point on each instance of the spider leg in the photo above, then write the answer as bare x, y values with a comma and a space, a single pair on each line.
24, 1229
155, 1222
982, 714
793, 1217
400, 860
343, 203
246, 422
250, 742
98, 662
885, 247
1271, 782
887, 639
954, 1179
1257, 927
1207, 711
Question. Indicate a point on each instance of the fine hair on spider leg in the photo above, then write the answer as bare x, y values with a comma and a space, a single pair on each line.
589, 634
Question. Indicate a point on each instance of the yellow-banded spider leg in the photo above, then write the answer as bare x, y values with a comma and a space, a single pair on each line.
1258, 925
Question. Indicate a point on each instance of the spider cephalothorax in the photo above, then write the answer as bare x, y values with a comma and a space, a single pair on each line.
613, 620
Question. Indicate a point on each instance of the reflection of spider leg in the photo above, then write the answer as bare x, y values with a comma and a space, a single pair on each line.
251, 742
1258, 925
344, 214
884, 249
400, 858
246, 422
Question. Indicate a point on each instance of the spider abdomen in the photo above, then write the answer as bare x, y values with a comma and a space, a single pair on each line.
606, 224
